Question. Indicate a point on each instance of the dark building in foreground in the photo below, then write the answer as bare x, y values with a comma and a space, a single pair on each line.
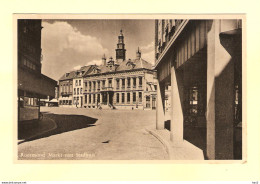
32, 85
202, 62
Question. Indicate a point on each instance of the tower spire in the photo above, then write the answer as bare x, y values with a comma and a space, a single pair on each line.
120, 50
104, 60
138, 53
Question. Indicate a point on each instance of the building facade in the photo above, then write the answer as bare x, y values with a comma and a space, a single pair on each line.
32, 84
118, 83
202, 61
66, 89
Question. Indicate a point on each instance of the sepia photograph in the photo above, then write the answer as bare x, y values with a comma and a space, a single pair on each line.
130, 89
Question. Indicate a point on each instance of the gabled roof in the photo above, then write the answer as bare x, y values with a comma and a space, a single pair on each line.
95, 69
77, 73
68, 75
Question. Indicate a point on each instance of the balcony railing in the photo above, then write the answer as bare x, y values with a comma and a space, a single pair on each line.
107, 89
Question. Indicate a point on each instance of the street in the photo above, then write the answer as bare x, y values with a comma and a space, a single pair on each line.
91, 134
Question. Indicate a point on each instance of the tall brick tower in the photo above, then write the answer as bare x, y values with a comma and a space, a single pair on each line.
120, 51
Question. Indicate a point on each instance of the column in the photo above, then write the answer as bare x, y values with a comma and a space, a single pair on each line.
176, 107
220, 96
96, 97
120, 100
120, 85
159, 108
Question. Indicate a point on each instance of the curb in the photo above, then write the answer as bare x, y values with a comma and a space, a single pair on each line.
163, 141
54, 127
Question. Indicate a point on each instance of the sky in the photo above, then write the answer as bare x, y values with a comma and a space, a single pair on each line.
69, 44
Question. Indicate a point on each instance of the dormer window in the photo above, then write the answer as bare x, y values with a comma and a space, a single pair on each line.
67, 74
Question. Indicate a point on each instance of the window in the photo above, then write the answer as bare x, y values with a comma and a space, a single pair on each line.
94, 98
86, 85
140, 96
75, 100
134, 82
77, 91
134, 97
128, 97
86, 99
98, 85
80, 90
104, 83
74, 91
155, 87
79, 82
123, 97
117, 98
76, 82
89, 98
140, 81
117, 83
89, 86
69, 102
123, 83
110, 83
128, 82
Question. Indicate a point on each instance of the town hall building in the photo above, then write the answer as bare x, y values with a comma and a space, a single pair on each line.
115, 84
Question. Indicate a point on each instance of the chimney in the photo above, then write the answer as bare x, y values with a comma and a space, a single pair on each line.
138, 54
104, 60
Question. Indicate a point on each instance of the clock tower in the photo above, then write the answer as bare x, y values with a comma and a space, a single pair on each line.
120, 50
